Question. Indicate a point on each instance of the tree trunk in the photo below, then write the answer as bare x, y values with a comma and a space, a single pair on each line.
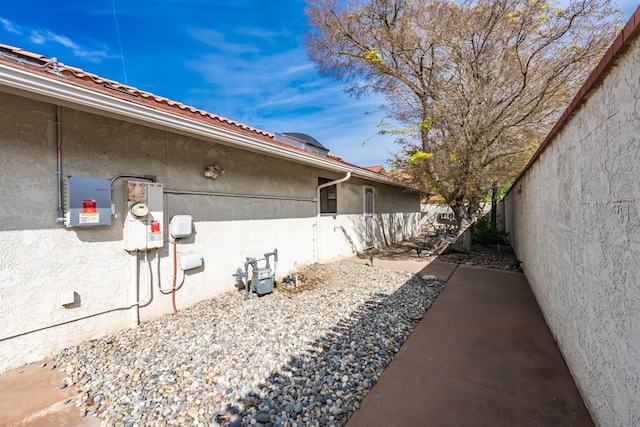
494, 207
460, 213
466, 215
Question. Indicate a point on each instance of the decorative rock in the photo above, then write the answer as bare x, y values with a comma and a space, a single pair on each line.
262, 417
495, 256
269, 360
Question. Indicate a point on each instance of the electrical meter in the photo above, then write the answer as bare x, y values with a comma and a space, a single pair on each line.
144, 220
139, 209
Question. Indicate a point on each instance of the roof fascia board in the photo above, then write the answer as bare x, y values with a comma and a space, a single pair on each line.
55, 91
59, 92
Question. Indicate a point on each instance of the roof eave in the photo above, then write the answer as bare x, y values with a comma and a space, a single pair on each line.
58, 92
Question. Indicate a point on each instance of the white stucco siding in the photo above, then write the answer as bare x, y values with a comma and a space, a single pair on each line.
574, 219
260, 203
396, 217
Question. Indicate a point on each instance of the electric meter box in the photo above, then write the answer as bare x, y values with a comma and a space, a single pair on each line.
144, 220
88, 202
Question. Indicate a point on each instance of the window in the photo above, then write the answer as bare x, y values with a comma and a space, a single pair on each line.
328, 197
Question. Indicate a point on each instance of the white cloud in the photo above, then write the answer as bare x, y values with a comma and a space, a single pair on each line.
41, 37
282, 92
9, 26
265, 35
298, 68
218, 41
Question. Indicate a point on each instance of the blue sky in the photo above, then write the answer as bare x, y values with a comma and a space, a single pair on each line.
241, 59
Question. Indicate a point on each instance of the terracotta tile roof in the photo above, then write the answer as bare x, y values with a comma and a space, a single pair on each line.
398, 174
96, 83
376, 169
401, 175
52, 69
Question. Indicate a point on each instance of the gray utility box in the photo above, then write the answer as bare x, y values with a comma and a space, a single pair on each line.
262, 281
88, 202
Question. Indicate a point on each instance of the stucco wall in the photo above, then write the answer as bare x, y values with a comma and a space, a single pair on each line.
40, 259
574, 221
396, 217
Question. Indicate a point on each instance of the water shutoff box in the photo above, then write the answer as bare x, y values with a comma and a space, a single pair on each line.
88, 202
144, 220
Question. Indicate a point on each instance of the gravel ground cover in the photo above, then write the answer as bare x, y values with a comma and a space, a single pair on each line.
302, 356
494, 256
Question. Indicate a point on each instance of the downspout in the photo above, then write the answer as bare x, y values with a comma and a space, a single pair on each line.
59, 164
320, 187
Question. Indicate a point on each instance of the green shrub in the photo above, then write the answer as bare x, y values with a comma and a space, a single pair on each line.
483, 232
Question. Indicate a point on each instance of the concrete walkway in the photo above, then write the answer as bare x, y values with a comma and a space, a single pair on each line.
482, 356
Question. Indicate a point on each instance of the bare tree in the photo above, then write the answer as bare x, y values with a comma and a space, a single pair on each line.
473, 85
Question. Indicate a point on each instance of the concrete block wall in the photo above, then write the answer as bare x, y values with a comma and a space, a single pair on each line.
574, 222
41, 260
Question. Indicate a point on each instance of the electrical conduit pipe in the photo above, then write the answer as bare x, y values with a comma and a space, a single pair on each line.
136, 303
60, 217
175, 274
133, 271
133, 266
320, 187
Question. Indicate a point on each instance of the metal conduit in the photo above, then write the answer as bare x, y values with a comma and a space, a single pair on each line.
244, 196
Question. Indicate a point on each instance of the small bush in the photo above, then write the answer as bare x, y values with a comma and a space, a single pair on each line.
483, 232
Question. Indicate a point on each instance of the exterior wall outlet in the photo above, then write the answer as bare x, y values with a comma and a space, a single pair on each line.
67, 298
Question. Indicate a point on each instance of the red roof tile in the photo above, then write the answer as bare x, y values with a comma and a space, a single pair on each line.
376, 169
95, 83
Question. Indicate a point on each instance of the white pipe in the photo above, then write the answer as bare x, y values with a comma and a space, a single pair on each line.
133, 290
244, 196
59, 164
320, 187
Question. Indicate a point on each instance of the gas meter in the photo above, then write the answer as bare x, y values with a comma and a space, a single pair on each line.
262, 278
262, 281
